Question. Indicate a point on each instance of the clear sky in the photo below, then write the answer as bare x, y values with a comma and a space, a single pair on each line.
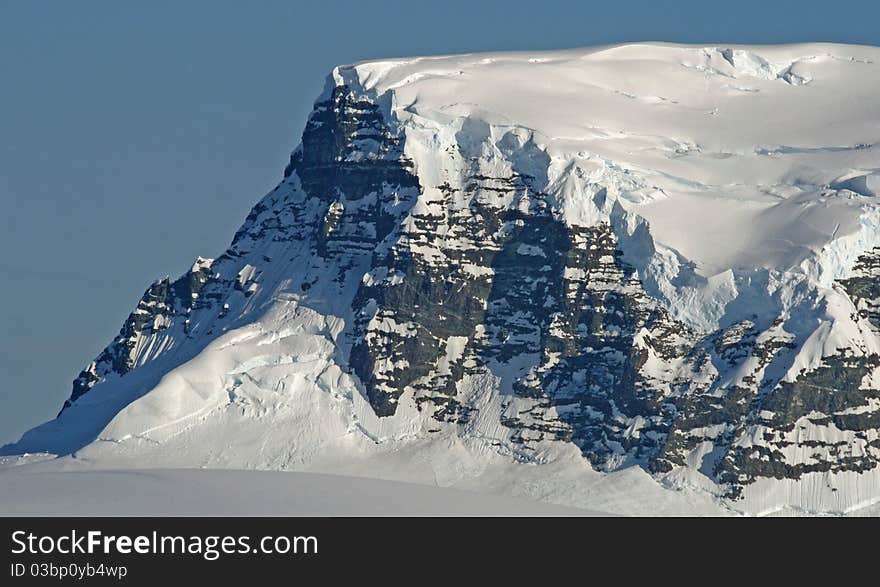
135, 136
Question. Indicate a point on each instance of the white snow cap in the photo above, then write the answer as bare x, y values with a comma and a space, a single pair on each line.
726, 150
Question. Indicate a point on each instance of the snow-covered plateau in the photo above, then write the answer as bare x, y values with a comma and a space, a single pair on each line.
638, 279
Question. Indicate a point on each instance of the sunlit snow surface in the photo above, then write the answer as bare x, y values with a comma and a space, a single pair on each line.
755, 169
724, 150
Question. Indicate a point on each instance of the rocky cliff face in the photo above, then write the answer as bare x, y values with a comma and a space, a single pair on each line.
452, 272
142, 337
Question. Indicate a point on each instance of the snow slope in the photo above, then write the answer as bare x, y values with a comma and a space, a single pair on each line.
188, 492
608, 278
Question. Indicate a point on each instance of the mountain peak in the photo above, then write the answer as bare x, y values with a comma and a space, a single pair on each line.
648, 256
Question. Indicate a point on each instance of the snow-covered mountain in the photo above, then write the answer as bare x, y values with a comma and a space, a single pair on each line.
651, 268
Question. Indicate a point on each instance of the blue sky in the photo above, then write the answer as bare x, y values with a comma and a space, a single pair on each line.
136, 136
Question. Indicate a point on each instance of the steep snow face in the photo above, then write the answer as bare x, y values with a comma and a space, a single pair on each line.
647, 255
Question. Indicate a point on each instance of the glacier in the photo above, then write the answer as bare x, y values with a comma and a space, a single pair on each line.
633, 279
